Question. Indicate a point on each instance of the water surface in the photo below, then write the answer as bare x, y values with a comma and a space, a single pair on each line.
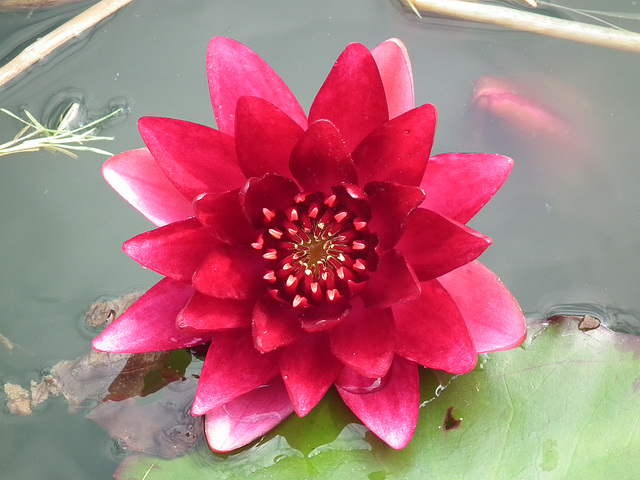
566, 226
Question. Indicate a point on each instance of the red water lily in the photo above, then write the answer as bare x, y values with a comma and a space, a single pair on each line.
311, 251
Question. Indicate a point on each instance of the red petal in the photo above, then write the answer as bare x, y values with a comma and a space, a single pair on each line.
197, 159
247, 417
136, 176
231, 272
321, 159
324, 316
390, 412
222, 214
354, 198
398, 151
390, 205
149, 325
210, 313
308, 369
394, 65
458, 185
393, 282
174, 250
234, 70
232, 367
432, 332
492, 315
265, 136
365, 340
275, 324
435, 245
352, 97
353, 382
272, 192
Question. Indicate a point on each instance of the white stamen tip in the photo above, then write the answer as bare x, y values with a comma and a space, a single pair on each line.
358, 245
275, 233
268, 214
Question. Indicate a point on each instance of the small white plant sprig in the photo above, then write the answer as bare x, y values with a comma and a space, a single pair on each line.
63, 139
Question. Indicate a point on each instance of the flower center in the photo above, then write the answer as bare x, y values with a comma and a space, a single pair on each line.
316, 249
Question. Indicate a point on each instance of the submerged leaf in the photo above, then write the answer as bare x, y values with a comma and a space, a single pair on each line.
145, 373
164, 428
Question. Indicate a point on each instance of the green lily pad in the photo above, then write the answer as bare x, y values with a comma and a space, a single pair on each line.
563, 406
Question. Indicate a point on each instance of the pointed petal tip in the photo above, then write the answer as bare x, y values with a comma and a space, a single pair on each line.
432, 332
234, 70
232, 368
458, 185
138, 179
394, 64
398, 150
353, 95
198, 409
247, 417
398, 442
149, 325
99, 344
492, 315
391, 412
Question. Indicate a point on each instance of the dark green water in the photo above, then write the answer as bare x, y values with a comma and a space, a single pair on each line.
566, 226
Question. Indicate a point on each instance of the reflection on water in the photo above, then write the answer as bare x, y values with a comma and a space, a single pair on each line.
566, 226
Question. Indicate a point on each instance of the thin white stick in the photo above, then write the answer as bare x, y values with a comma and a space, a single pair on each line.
58, 37
530, 22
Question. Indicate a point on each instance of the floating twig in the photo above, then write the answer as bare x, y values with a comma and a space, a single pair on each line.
6, 342
32, 4
529, 22
58, 37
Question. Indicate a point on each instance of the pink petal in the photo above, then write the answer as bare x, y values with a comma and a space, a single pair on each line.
231, 272
136, 176
210, 313
271, 192
352, 97
265, 136
247, 417
232, 368
391, 283
321, 159
365, 340
275, 324
434, 245
308, 369
432, 332
197, 159
149, 325
492, 315
458, 185
398, 150
394, 65
222, 214
234, 70
390, 205
174, 250
390, 412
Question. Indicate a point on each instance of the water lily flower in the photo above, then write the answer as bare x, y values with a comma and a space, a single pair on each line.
311, 250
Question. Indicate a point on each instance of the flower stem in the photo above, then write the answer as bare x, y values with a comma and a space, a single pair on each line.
529, 22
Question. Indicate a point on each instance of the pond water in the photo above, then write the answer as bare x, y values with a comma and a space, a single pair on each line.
566, 225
